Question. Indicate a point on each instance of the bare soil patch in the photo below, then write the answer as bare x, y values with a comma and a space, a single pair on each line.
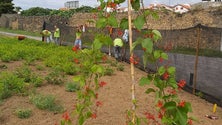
115, 96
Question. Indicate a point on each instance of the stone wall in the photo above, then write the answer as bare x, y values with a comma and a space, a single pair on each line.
209, 72
177, 29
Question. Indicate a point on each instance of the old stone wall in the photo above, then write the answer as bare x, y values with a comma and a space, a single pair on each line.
177, 29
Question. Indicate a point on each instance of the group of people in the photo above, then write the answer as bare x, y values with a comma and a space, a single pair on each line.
118, 42
47, 35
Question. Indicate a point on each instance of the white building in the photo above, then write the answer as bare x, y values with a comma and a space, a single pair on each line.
181, 8
72, 4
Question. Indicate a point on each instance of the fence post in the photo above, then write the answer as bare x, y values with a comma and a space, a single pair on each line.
197, 54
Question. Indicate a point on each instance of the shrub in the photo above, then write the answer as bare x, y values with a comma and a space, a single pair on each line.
55, 77
69, 69
36, 81
23, 113
24, 72
108, 71
120, 67
10, 84
72, 87
46, 103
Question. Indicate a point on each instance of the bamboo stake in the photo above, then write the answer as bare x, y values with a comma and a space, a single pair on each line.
196, 61
131, 64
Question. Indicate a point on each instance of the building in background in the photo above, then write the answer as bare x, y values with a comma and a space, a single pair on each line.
72, 4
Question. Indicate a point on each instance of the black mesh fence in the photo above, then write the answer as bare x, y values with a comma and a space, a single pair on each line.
207, 37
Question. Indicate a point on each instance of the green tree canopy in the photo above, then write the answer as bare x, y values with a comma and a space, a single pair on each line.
36, 11
6, 6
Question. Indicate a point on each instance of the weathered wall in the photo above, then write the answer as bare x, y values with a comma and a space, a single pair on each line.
176, 29
209, 72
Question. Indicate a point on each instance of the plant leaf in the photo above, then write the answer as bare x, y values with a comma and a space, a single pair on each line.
148, 45
124, 24
101, 22
112, 21
139, 22
149, 90
144, 81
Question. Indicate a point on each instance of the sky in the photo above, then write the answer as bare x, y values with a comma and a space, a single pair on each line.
56, 4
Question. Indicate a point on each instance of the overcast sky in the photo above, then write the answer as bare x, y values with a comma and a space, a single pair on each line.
56, 4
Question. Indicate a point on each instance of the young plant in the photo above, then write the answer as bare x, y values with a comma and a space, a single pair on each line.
120, 67
36, 80
24, 72
46, 102
23, 113
55, 77
108, 71
72, 87
10, 84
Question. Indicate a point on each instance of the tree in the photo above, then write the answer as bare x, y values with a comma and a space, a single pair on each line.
36, 11
6, 6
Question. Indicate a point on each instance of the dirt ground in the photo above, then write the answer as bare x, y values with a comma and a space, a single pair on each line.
115, 98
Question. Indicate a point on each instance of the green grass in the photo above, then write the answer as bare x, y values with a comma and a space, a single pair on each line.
21, 32
23, 113
46, 102
72, 87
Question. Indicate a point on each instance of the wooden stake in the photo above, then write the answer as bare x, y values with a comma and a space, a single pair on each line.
131, 64
196, 61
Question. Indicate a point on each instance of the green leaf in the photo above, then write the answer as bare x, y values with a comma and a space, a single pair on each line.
124, 24
149, 90
101, 22
172, 82
118, 1
156, 54
97, 44
181, 117
139, 22
88, 114
138, 121
81, 120
77, 78
161, 70
164, 56
157, 35
148, 45
188, 106
145, 60
137, 42
171, 70
97, 69
170, 105
136, 4
144, 81
112, 21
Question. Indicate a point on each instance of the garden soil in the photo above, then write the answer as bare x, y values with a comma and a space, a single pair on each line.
115, 97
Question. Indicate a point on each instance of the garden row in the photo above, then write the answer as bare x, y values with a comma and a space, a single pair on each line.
42, 64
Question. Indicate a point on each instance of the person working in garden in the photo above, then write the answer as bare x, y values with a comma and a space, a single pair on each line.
125, 38
57, 35
78, 41
118, 44
47, 35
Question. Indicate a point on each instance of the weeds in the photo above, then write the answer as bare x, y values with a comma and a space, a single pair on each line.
72, 86
10, 84
55, 77
46, 102
23, 113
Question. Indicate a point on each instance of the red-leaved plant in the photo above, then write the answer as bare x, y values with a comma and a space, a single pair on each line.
170, 109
